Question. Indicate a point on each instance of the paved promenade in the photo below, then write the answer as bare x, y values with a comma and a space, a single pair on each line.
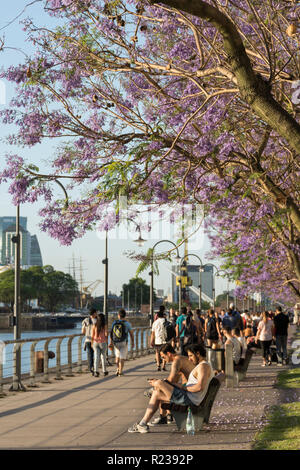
83, 412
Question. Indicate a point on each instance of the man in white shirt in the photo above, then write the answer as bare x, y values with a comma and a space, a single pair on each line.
237, 348
158, 338
237, 334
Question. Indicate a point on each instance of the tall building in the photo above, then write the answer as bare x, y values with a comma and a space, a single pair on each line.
35, 252
30, 253
193, 273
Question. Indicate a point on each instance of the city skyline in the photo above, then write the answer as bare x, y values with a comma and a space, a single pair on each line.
30, 253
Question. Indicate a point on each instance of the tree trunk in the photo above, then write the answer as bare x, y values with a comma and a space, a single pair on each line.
253, 89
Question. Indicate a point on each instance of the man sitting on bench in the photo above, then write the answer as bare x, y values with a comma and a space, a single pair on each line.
191, 393
181, 367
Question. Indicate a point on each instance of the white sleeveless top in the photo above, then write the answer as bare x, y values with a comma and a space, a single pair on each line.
197, 397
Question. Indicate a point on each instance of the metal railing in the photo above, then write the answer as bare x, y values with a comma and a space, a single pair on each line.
141, 347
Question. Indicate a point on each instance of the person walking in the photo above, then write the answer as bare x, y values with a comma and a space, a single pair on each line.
158, 338
99, 344
172, 320
212, 329
232, 318
86, 329
191, 332
180, 330
281, 323
198, 324
119, 340
255, 321
265, 333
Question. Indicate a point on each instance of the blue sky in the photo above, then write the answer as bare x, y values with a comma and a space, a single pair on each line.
90, 249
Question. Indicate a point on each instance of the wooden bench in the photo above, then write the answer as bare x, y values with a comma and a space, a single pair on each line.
241, 370
201, 413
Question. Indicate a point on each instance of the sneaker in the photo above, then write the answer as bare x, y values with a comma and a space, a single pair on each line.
120, 373
106, 373
263, 365
96, 374
148, 393
170, 419
279, 364
142, 428
164, 369
158, 421
269, 363
158, 369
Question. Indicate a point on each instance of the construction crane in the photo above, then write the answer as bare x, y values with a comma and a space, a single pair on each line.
87, 291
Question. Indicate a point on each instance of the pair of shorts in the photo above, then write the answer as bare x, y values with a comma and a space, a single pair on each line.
180, 397
121, 350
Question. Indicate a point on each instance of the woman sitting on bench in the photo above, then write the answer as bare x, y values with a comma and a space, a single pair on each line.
191, 393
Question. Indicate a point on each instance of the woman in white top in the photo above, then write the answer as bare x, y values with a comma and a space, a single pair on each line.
265, 333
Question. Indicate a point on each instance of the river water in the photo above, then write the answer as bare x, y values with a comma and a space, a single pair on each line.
25, 354
25, 360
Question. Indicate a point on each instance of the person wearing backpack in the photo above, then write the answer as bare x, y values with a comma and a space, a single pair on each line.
119, 340
189, 330
212, 329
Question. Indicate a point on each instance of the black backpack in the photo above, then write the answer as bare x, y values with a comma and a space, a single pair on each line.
190, 331
170, 330
211, 328
118, 332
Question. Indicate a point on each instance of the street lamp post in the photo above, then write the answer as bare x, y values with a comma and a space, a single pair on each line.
179, 297
105, 262
218, 273
151, 274
213, 282
200, 271
16, 239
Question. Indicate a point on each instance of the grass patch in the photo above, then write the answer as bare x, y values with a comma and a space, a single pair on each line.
289, 378
283, 430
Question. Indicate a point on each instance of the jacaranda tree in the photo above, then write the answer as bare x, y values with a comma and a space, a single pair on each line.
170, 102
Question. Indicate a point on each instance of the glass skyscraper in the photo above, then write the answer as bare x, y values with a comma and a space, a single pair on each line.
30, 250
